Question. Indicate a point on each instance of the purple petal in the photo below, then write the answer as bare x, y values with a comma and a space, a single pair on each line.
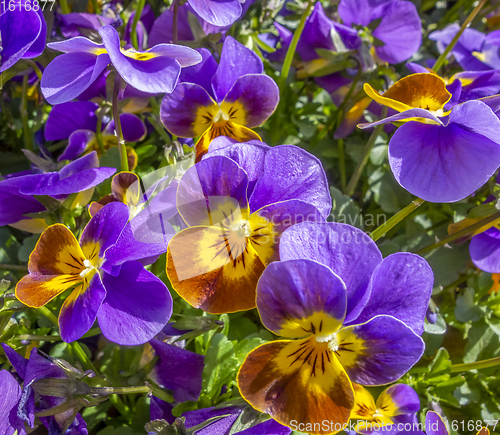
316, 34
389, 350
72, 23
155, 75
249, 156
179, 109
400, 30
214, 184
485, 250
77, 45
202, 73
136, 308
178, 370
159, 409
434, 424
133, 127
446, 164
17, 361
401, 287
105, 226
79, 310
18, 31
290, 292
292, 173
217, 12
236, 61
162, 27
259, 96
79, 175
38, 46
269, 427
403, 396
68, 75
66, 118
358, 11
347, 251
78, 143
13, 204
11, 393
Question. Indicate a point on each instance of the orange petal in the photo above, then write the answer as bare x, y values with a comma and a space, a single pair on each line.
422, 90
298, 382
214, 270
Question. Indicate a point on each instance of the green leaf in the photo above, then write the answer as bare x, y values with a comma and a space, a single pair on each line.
466, 310
220, 366
345, 210
27, 247
440, 365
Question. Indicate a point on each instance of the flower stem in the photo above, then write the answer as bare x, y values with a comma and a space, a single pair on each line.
340, 147
50, 338
175, 20
49, 315
366, 155
64, 7
137, 17
28, 140
82, 356
98, 135
465, 232
477, 365
293, 46
398, 217
118, 126
14, 267
444, 54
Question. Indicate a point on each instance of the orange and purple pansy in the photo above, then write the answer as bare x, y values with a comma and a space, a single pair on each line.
328, 297
221, 100
130, 303
438, 155
237, 202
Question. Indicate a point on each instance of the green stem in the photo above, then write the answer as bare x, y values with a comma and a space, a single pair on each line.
50, 338
82, 356
98, 135
28, 140
398, 217
340, 147
49, 315
159, 129
293, 45
440, 61
118, 126
465, 232
14, 267
121, 390
33, 65
97, 8
64, 7
137, 17
175, 20
366, 155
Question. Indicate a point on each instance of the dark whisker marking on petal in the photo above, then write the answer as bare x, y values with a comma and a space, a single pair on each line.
313, 328
296, 359
72, 265
307, 357
76, 259
313, 372
328, 356
321, 325
298, 350
323, 362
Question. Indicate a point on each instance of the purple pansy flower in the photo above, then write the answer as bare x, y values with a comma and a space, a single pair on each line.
485, 250
17, 193
398, 33
36, 397
283, 39
130, 303
23, 34
436, 155
77, 122
153, 71
221, 100
81, 23
474, 51
237, 202
356, 316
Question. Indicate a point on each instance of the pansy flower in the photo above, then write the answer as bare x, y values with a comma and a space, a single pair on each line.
221, 100
237, 202
218, 13
346, 315
397, 404
152, 71
474, 51
394, 26
36, 395
77, 122
438, 155
18, 206
23, 32
107, 284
